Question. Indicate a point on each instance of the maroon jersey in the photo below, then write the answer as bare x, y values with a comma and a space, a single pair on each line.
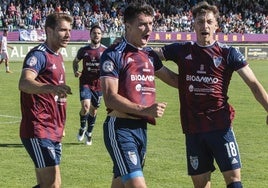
91, 66
204, 77
135, 70
43, 115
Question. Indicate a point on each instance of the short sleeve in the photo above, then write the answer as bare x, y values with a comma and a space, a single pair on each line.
35, 61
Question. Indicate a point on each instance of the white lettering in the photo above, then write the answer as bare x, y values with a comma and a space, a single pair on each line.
204, 79
64, 52
21, 52
138, 77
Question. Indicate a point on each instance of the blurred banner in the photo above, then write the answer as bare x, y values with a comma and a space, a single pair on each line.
31, 35
166, 37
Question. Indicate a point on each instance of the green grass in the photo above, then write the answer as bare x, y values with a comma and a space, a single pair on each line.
84, 166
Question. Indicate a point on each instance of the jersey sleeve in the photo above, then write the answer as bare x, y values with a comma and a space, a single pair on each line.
80, 54
35, 61
109, 65
155, 59
171, 51
236, 59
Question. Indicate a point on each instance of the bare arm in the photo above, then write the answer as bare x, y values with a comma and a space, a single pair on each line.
256, 88
116, 102
11, 47
168, 76
77, 73
28, 84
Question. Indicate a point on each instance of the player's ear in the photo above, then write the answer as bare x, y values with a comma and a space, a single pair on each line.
49, 30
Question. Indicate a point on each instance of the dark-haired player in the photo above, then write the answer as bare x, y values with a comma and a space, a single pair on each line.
89, 83
128, 71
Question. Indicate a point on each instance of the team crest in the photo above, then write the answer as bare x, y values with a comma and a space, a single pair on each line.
217, 61
107, 66
133, 157
194, 162
32, 61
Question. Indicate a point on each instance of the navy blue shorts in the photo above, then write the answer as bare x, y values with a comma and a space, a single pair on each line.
203, 148
126, 141
43, 152
94, 96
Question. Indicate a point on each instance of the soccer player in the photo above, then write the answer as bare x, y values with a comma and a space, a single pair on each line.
43, 100
128, 71
3, 50
89, 83
205, 70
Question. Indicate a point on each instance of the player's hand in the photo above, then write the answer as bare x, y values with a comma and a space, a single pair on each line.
62, 90
77, 74
156, 110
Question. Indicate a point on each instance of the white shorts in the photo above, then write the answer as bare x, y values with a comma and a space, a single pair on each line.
4, 55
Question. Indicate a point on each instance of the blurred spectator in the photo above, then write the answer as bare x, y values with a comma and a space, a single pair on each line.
239, 16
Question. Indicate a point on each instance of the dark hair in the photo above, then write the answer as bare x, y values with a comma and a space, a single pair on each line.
95, 26
53, 20
134, 9
204, 7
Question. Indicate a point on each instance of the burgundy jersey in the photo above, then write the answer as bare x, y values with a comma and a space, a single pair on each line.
43, 115
204, 77
91, 66
135, 70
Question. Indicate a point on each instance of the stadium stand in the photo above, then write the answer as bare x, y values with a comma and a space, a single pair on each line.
237, 16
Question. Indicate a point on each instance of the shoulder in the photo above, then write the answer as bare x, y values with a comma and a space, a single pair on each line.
230, 49
150, 52
223, 45
102, 46
179, 44
116, 49
40, 49
38, 53
86, 47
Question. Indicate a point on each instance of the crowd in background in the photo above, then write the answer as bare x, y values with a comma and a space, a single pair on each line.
237, 16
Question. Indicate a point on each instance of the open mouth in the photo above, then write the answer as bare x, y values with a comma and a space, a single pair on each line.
146, 37
204, 33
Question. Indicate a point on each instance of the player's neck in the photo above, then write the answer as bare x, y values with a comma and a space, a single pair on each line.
92, 45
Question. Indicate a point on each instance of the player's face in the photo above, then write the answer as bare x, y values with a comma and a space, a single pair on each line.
60, 36
138, 32
95, 36
205, 25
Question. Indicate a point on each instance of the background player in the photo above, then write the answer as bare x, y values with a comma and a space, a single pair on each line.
89, 83
3, 50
